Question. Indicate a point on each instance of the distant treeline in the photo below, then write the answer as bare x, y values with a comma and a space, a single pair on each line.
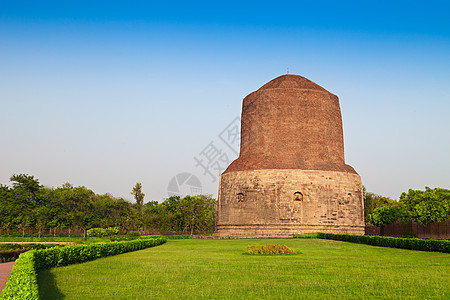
27, 206
423, 207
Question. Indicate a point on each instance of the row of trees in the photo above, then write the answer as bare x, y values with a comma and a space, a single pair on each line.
27, 206
424, 207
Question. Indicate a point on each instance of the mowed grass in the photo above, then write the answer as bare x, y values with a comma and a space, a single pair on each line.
217, 269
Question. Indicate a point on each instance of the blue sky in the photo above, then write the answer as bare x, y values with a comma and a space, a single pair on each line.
110, 93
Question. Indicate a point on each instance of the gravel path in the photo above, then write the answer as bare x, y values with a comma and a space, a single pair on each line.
5, 270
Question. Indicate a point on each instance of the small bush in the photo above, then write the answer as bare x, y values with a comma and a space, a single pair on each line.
102, 232
271, 249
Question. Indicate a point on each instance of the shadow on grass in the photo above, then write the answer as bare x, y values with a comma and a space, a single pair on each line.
47, 286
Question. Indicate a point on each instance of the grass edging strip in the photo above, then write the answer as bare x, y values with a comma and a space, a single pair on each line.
22, 283
391, 242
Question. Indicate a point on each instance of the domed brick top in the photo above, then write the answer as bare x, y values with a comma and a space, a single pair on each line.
291, 123
292, 82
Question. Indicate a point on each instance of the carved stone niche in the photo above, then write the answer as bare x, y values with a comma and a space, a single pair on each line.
240, 197
298, 196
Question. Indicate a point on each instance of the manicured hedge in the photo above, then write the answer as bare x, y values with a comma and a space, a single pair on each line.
102, 232
392, 242
68, 255
22, 283
10, 252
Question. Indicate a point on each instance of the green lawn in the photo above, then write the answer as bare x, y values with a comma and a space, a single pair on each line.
217, 269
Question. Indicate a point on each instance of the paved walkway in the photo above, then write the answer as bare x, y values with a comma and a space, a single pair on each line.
5, 269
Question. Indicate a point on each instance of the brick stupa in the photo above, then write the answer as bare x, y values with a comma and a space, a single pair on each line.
290, 176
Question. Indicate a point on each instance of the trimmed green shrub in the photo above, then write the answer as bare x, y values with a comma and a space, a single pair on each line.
392, 242
73, 254
271, 249
22, 283
30, 246
9, 252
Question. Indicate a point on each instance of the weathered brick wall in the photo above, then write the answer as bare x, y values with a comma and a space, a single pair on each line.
434, 230
280, 202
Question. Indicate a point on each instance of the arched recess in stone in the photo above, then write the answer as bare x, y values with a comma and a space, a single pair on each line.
240, 197
298, 196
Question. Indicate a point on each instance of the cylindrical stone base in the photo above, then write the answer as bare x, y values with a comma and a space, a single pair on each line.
281, 202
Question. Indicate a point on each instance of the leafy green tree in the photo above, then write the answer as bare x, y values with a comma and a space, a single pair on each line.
388, 214
28, 184
74, 207
139, 197
19, 202
428, 206
27, 206
151, 215
171, 219
384, 215
198, 213
372, 201
429, 211
138, 194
